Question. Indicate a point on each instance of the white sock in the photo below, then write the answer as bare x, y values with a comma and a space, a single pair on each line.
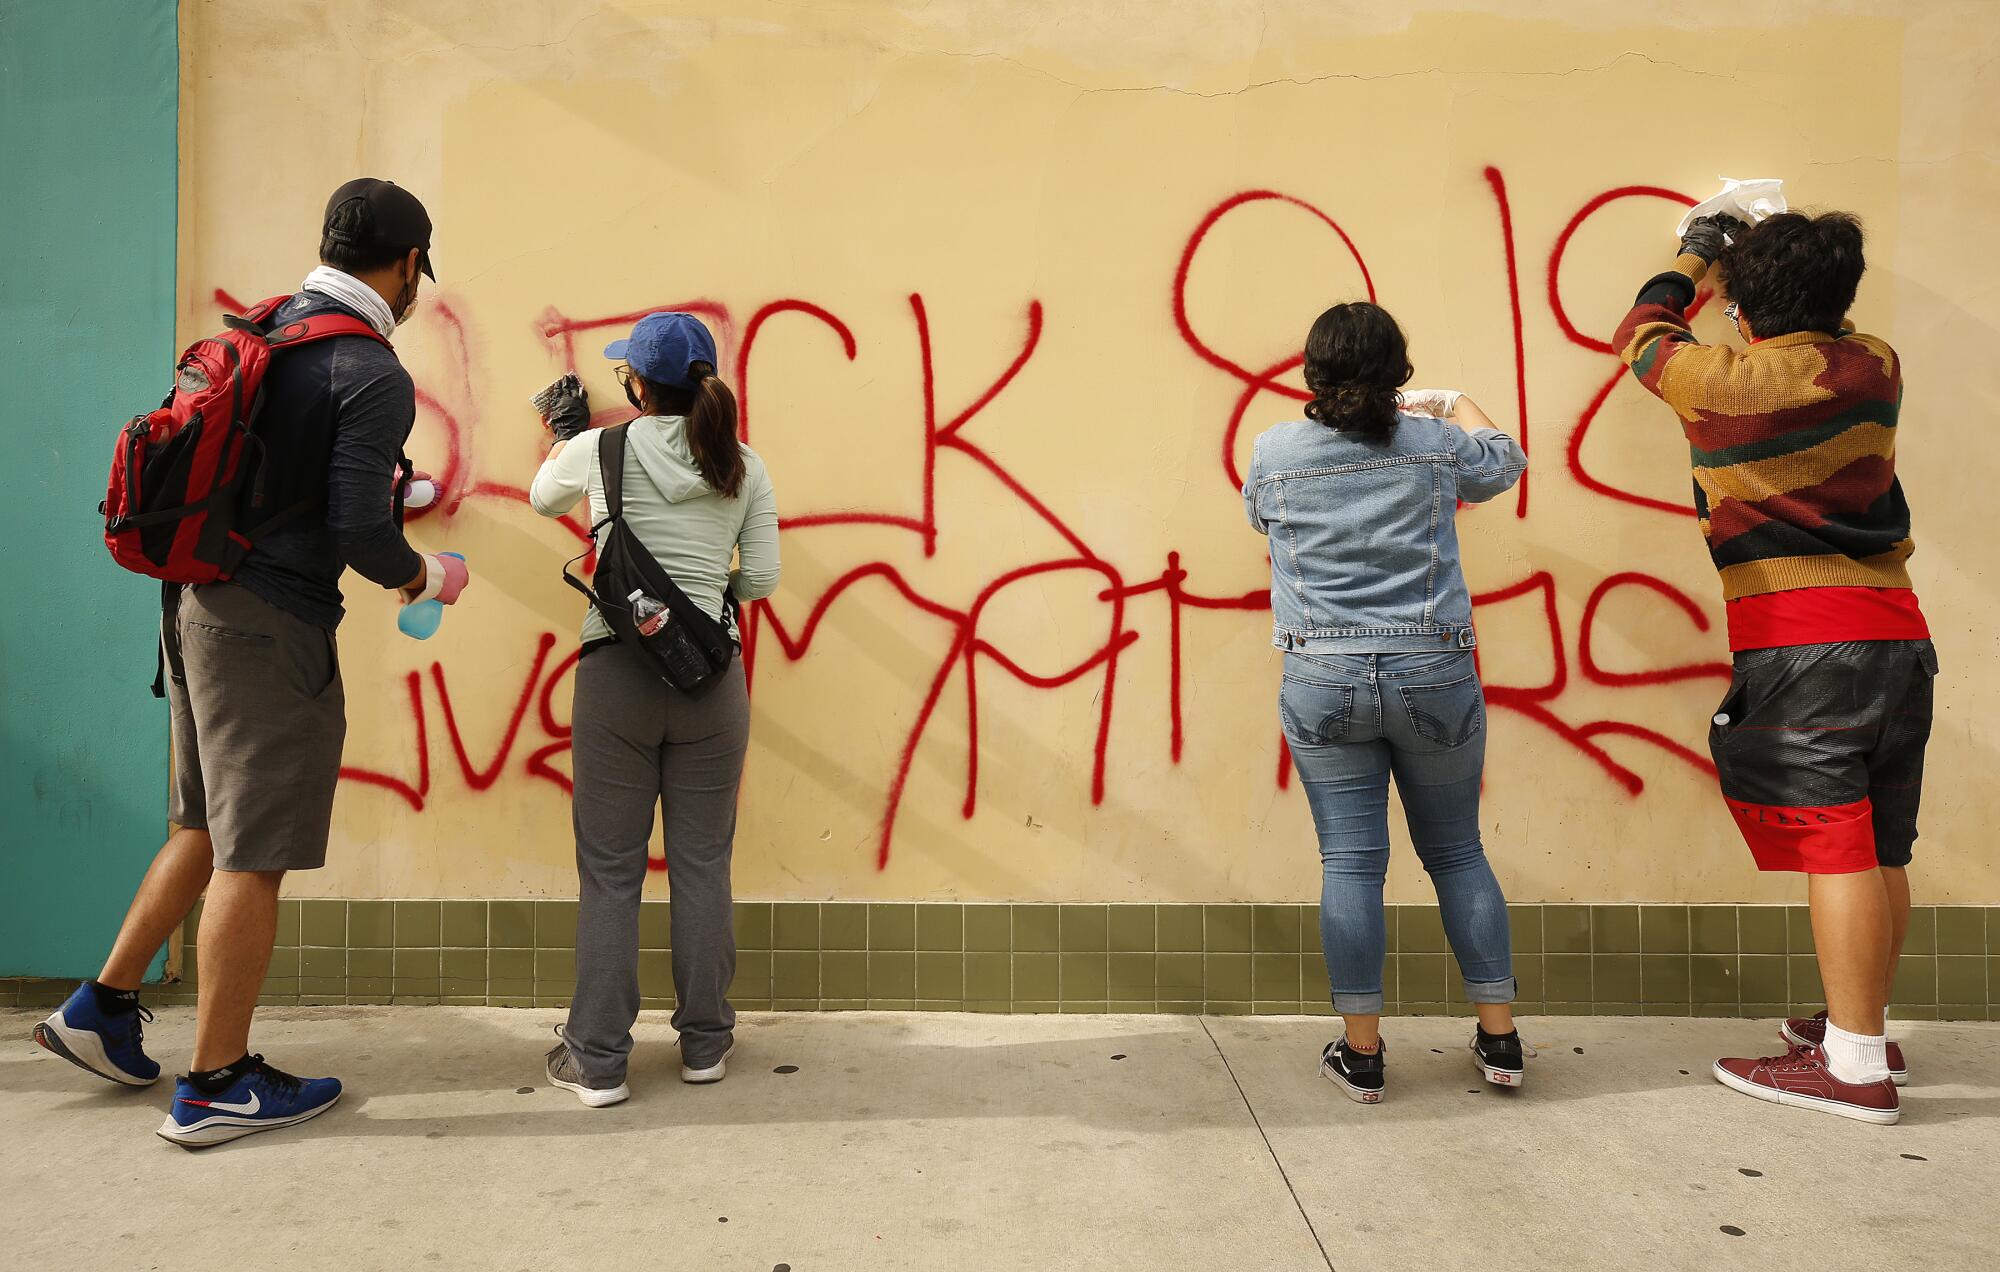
1855, 1057
1889, 1029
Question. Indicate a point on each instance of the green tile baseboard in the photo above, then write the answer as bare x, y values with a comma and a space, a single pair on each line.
1236, 959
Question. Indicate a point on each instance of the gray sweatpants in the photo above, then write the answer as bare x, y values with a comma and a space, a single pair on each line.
639, 742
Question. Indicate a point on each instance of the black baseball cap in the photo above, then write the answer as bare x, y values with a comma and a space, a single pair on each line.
395, 218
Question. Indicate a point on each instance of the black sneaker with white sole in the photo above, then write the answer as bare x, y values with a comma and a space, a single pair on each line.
1359, 1073
1500, 1057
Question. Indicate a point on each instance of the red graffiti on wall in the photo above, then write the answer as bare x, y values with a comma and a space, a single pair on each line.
1532, 702
1498, 184
1254, 383
966, 647
1583, 475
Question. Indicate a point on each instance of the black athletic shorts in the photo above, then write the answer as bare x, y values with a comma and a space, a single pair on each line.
1820, 749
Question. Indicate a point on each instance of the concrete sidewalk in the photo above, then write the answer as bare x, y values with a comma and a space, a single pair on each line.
1035, 1142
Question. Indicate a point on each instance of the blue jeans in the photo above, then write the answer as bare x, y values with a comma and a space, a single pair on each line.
1351, 720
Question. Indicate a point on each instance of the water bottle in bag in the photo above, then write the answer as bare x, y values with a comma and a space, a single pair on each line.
648, 615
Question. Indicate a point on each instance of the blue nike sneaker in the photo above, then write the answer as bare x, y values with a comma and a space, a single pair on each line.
108, 1044
262, 1099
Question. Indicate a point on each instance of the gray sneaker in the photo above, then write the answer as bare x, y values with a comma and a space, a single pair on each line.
702, 1075
567, 1074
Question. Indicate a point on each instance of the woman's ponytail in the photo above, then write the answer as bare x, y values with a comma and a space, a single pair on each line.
710, 409
711, 431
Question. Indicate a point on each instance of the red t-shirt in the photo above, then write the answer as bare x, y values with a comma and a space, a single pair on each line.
1823, 615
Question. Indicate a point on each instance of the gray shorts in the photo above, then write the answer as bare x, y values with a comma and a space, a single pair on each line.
259, 718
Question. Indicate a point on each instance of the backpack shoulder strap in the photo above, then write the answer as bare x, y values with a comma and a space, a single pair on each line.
611, 467
265, 308
301, 331
322, 327
252, 320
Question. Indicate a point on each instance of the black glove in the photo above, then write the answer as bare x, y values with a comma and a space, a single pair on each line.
564, 407
1705, 238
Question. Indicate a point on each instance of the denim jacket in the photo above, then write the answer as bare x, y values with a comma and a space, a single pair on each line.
1364, 542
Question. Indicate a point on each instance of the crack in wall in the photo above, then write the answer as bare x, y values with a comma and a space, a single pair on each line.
1356, 77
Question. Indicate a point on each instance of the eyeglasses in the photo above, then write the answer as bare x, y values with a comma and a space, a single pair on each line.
625, 375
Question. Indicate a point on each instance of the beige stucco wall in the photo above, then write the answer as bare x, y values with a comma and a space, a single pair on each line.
587, 160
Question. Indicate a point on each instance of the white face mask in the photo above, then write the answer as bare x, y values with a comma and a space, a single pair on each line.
406, 302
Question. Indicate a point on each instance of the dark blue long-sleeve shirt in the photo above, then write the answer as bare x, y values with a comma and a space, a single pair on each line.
336, 415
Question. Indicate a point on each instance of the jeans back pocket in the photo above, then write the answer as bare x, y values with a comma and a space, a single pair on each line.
1449, 714
1315, 714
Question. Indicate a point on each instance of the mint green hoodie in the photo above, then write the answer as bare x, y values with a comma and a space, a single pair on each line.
691, 529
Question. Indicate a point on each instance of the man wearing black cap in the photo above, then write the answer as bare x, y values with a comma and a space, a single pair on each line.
255, 696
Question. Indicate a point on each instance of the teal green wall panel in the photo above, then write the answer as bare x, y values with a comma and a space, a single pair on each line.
89, 91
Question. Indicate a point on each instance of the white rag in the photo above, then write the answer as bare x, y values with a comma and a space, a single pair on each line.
355, 294
1749, 201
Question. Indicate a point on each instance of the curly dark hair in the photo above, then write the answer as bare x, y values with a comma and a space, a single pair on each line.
1356, 359
1794, 272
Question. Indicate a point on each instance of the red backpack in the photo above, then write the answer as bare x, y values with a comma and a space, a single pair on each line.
176, 509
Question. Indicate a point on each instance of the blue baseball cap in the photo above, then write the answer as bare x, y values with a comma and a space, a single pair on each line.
663, 346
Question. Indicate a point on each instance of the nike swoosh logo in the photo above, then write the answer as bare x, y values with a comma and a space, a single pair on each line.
249, 1108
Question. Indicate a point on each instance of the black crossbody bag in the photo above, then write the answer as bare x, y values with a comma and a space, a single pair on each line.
691, 651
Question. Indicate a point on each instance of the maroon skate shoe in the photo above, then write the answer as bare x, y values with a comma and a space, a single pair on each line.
1810, 1031
1801, 1078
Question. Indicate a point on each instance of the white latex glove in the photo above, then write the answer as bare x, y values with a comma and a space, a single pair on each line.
420, 491
1436, 403
419, 488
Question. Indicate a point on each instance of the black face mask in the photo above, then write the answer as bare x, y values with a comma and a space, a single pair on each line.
633, 398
